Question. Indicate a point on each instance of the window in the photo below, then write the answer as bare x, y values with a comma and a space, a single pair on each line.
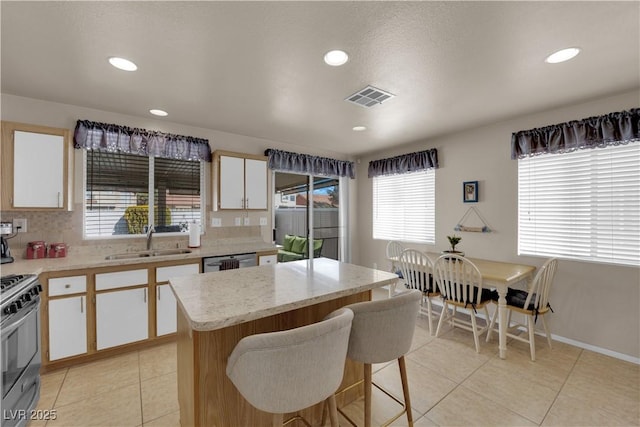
583, 205
118, 187
404, 207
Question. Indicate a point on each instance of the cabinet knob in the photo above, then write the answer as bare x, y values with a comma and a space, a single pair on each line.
67, 286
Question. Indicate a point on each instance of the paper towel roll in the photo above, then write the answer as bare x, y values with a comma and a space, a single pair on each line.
194, 234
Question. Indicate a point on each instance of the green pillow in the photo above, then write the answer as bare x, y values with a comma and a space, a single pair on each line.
317, 245
298, 245
288, 241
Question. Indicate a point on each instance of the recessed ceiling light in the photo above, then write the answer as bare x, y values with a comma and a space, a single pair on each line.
336, 58
122, 64
359, 128
160, 113
562, 55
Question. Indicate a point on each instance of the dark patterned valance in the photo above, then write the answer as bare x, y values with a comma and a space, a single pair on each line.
411, 162
600, 131
286, 161
114, 138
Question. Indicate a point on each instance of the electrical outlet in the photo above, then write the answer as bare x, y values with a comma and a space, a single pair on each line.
238, 221
247, 221
20, 225
263, 220
216, 222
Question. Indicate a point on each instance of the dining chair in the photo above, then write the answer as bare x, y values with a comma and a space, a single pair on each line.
532, 303
417, 273
460, 284
287, 371
393, 251
382, 331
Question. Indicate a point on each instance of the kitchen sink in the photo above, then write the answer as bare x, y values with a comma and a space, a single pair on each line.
146, 254
161, 252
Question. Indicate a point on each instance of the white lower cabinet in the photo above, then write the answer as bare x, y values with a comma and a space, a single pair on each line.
166, 310
267, 259
67, 327
122, 317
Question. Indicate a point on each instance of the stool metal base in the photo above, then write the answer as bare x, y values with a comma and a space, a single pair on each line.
298, 417
388, 422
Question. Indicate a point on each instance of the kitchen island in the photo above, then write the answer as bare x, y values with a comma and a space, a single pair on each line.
218, 309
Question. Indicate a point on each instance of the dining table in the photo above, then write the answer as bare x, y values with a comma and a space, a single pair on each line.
499, 275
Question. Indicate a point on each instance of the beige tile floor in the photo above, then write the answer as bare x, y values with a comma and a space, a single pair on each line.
450, 384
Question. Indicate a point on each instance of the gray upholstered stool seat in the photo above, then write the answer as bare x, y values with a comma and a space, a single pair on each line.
383, 331
287, 371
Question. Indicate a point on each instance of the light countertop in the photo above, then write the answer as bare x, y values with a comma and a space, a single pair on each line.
216, 300
91, 258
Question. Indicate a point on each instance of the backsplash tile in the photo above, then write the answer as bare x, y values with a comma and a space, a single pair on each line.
66, 227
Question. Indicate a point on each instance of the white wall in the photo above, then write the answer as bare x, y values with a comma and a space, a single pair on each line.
596, 304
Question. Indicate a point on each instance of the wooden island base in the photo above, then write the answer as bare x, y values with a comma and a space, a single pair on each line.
208, 398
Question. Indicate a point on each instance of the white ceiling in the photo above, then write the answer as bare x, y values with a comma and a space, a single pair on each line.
256, 68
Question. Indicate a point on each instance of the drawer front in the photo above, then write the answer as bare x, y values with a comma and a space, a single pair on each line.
121, 279
267, 259
163, 274
67, 285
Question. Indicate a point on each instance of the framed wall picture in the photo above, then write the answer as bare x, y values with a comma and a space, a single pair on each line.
470, 191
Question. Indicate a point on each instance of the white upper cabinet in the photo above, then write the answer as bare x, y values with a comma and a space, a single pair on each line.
242, 182
231, 182
35, 167
255, 182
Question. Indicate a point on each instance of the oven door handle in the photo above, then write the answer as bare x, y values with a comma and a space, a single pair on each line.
16, 325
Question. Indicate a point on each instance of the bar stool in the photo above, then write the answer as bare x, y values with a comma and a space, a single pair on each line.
383, 331
287, 371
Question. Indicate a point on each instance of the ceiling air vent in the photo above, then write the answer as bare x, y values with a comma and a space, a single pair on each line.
369, 96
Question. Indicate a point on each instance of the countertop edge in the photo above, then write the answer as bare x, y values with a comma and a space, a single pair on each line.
215, 325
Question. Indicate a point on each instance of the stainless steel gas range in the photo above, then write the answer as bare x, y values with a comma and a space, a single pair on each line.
20, 330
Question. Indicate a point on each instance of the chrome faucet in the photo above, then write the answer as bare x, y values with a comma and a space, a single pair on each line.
150, 231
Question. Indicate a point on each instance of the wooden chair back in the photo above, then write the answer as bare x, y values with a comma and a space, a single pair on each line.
541, 286
416, 269
394, 249
458, 279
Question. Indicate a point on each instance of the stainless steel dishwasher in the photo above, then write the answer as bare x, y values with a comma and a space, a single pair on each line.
227, 262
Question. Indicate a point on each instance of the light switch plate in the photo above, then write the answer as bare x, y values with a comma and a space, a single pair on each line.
216, 222
247, 221
263, 220
21, 223
238, 221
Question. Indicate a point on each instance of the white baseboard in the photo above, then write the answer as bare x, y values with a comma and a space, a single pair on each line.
596, 349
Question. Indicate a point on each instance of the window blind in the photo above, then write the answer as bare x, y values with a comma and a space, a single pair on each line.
583, 205
404, 207
118, 187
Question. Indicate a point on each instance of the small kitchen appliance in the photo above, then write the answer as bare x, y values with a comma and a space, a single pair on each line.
36, 249
6, 229
57, 250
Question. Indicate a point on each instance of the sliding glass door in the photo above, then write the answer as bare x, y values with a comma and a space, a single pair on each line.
309, 206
